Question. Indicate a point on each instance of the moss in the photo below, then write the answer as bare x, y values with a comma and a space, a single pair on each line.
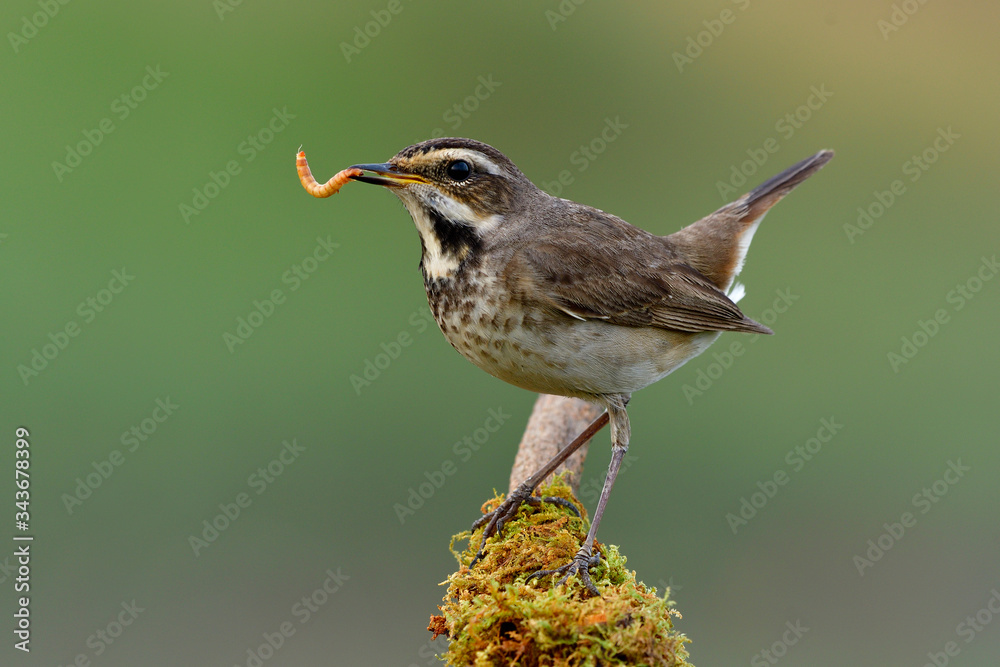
493, 617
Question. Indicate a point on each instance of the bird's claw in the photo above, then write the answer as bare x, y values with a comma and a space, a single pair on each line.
580, 566
496, 519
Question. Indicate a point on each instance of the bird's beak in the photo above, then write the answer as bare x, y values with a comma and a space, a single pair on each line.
387, 175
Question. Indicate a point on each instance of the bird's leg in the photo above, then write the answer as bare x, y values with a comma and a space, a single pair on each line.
585, 558
507, 510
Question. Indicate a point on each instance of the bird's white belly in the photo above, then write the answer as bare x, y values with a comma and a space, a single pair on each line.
571, 357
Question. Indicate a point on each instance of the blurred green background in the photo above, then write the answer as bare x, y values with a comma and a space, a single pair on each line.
191, 89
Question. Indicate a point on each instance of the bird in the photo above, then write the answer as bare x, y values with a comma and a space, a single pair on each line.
561, 298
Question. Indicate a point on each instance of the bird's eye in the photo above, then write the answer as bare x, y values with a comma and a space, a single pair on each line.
459, 170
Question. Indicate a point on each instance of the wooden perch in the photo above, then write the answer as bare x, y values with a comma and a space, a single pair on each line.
554, 422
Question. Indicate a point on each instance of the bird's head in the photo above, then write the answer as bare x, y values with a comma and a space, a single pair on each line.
458, 192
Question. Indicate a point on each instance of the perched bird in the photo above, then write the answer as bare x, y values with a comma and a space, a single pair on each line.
561, 298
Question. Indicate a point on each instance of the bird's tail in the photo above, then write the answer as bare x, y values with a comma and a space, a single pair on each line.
771, 191
717, 244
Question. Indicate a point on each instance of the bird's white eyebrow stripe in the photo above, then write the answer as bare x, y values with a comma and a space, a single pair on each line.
489, 165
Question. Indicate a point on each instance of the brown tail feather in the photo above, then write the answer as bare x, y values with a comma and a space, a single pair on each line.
770, 192
716, 245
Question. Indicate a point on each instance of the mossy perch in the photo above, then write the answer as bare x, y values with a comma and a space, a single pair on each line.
492, 616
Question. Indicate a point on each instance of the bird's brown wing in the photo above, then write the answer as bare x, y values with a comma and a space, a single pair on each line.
630, 280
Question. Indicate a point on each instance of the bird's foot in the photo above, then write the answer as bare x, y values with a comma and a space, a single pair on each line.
580, 566
496, 519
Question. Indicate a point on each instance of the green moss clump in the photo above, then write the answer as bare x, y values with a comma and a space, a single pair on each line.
493, 617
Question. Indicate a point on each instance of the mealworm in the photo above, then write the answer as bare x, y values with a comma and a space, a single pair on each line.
316, 189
